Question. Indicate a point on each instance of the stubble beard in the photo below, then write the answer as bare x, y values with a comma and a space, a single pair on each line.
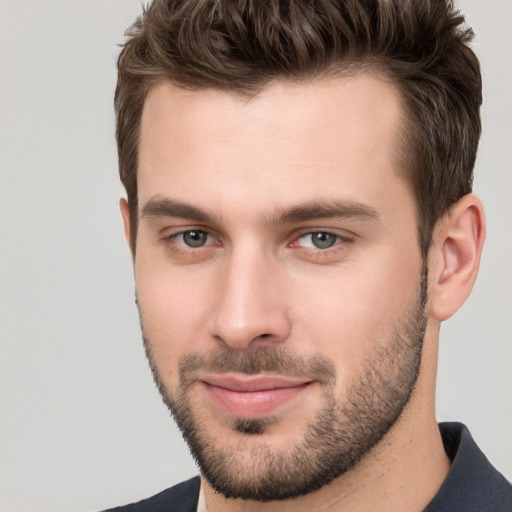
340, 435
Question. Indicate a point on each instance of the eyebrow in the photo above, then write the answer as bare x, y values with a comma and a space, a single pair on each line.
314, 210
324, 209
170, 208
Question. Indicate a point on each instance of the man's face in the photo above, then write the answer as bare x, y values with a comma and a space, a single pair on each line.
279, 277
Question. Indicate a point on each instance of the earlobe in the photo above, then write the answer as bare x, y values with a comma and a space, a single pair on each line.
455, 256
125, 213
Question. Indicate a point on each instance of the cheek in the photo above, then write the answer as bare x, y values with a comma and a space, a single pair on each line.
173, 311
353, 312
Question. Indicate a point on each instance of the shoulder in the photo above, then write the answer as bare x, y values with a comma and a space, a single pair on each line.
472, 484
183, 498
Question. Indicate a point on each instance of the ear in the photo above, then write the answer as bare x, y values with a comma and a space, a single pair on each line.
125, 213
454, 258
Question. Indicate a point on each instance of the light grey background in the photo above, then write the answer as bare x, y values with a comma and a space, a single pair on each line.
82, 426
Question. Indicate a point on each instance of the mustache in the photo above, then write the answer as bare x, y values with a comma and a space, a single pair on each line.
261, 360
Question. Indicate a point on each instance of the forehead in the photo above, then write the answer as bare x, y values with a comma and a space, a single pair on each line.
290, 142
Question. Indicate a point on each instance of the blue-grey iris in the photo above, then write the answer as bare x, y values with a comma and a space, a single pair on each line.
323, 240
195, 238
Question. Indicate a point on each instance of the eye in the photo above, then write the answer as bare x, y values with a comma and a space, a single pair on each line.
319, 240
193, 238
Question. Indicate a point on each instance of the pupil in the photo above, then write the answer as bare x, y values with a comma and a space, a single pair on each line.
323, 240
194, 238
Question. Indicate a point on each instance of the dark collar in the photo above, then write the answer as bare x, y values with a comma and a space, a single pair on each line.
472, 484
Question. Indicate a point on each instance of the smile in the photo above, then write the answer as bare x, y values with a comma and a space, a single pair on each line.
251, 396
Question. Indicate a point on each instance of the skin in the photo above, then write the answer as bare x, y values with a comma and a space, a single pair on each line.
257, 283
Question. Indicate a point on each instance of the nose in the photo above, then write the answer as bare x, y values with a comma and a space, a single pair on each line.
250, 309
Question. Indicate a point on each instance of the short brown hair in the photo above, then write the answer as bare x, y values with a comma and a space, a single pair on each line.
242, 45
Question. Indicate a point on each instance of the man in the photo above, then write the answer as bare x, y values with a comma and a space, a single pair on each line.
300, 215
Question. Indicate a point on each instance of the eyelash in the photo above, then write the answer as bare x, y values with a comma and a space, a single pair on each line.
339, 239
170, 241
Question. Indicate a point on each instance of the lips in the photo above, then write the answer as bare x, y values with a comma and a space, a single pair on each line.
245, 396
